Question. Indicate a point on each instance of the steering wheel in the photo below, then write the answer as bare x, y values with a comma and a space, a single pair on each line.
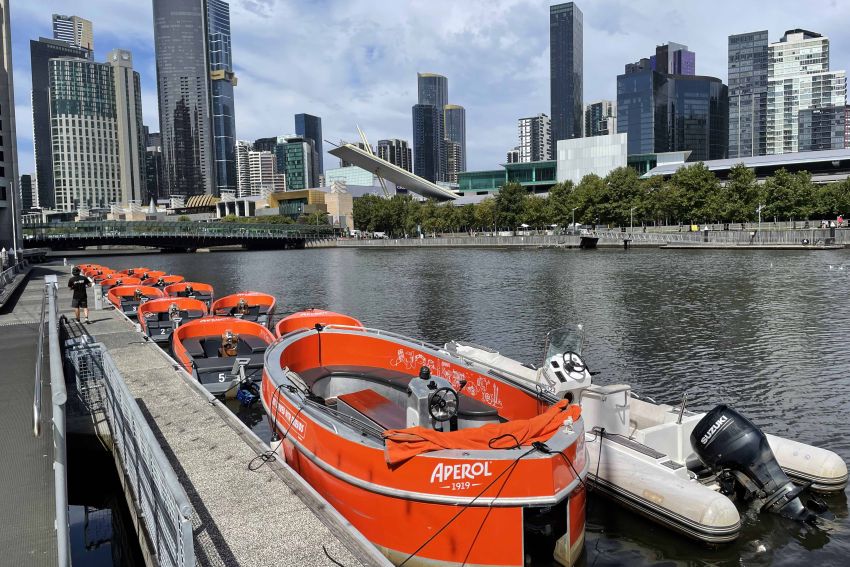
442, 405
573, 364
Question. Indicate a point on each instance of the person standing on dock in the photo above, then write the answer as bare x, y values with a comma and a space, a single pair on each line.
80, 300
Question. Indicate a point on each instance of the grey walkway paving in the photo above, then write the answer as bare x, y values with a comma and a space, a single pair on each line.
27, 510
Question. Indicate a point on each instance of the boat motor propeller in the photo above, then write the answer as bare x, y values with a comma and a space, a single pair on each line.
727, 442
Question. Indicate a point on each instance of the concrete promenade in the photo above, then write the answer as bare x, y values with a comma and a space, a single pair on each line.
27, 500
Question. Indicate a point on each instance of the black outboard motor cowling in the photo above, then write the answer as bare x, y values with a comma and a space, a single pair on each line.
726, 440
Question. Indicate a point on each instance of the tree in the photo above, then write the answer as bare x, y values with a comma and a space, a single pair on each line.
314, 218
741, 194
587, 197
621, 192
788, 195
485, 214
467, 217
535, 211
560, 205
696, 183
509, 204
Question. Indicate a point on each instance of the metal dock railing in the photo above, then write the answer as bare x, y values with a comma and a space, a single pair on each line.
159, 499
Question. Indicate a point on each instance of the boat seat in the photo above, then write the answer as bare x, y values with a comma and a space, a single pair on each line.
193, 347
225, 364
376, 408
467, 406
255, 343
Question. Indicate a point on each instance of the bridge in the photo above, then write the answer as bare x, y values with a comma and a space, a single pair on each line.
178, 236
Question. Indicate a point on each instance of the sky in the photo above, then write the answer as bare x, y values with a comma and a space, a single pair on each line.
354, 62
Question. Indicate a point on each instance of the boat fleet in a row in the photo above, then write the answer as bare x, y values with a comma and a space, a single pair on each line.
458, 455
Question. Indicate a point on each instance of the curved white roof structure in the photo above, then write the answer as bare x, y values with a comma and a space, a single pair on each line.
382, 168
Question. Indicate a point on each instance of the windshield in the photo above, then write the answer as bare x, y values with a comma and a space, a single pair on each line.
565, 339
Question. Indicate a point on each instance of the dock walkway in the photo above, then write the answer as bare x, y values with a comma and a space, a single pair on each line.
27, 499
267, 516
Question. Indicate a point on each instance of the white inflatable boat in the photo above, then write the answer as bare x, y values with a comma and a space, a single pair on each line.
682, 469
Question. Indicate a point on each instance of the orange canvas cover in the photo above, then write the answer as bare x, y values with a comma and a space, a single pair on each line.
404, 444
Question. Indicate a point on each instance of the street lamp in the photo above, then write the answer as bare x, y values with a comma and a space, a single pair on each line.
758, 210
573, 227
632, 219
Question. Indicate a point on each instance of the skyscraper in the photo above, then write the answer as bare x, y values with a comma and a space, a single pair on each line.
566, 69
427, 134
805, 100
26, 193
97, 132
748, 69
222, 81
673, 59
132, 140
182, 65
600, 118
10, 201
433, 91
294, 158
535, 139
263, 174
454, 118
397, 152
309, 126
662, 112
41, 52
243, 168
75, 30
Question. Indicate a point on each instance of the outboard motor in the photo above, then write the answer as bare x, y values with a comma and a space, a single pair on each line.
724, 440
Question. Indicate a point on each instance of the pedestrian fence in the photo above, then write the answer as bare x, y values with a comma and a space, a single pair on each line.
160, 500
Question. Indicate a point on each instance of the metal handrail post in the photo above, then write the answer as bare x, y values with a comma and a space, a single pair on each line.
60, 396
36, 397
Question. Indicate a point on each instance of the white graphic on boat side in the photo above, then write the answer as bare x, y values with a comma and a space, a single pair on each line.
477, 386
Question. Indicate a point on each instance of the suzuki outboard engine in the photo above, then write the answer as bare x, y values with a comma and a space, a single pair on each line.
726, 441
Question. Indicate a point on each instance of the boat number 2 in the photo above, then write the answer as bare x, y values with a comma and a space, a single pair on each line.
163, 331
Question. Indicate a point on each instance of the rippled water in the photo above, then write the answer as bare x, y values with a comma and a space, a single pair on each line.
766, 332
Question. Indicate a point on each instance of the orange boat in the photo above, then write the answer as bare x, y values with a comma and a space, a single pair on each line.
247, 305
128, 298
162, 280
150, 274
312, 317
159, 317
436, 460
201, 291
118, 280
137, 272
102, 275
221, 352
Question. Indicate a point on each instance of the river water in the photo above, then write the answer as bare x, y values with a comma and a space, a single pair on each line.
767, 332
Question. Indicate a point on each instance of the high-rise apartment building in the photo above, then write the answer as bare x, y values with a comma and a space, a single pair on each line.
10, 200
243, 168
535, 139
309, 126
222, 81
96, 118
75, 30
153, 172
265, 144
41, 52
130, 130
664, 112
805, 100
566, 70
433, 89
397, 152
600, 118
512, 156
748, 70
263, 174
454, 119
183, 85
847, 126
427, 135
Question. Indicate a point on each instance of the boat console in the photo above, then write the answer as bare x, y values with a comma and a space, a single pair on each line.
161, 324
211, 367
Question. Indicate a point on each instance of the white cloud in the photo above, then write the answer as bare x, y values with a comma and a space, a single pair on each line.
355, 61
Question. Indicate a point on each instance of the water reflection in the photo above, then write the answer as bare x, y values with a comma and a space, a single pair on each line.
765, 332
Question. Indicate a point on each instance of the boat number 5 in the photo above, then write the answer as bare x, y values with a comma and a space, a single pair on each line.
221, 376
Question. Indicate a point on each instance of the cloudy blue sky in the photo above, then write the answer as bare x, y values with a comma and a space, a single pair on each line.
355, 61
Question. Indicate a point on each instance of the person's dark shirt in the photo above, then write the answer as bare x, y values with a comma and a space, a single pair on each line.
79, 285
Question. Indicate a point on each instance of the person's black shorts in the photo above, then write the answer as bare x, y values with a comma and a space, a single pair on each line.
80, 303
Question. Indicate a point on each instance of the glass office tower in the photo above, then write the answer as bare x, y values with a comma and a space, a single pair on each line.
310, 127
222, 81
566, 71
427, 133
748, 65
182, 72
